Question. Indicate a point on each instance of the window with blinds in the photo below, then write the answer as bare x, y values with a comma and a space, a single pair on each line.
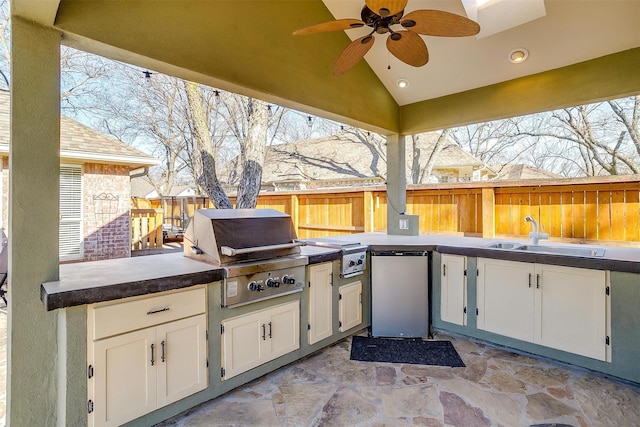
70, 211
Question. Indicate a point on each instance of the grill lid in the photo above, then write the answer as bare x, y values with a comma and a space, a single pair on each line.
231, 236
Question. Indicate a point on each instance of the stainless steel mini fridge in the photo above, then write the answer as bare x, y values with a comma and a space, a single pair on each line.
400, 294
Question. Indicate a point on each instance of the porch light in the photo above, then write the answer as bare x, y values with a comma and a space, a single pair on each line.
402, 83
516, 56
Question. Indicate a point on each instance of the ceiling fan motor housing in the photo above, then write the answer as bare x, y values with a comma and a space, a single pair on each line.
381, 24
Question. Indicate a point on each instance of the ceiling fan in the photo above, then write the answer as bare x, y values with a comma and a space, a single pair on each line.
404, 43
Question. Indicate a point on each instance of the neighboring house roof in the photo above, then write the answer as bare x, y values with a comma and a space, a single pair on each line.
521, 171
342, 157
324, 159
81, 143
142, 188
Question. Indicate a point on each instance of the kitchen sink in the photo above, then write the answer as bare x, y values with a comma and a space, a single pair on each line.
559, 250
504, 245
562, 250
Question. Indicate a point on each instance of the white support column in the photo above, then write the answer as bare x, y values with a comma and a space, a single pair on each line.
397, 221
34, 168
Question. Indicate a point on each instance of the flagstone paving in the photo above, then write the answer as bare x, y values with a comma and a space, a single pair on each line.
496, 388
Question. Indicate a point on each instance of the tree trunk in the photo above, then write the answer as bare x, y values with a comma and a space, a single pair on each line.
208, 179
428, 167
415, 159
253, 154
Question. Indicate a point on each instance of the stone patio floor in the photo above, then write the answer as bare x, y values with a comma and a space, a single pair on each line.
496, 388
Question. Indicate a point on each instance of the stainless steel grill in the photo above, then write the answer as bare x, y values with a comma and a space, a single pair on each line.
257, 248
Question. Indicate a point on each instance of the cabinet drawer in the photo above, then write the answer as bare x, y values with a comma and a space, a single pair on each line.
113, 319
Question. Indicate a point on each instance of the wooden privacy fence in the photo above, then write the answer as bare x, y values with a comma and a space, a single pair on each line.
602, 210
146, 230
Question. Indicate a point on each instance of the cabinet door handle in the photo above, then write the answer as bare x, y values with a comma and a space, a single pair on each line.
160, 310
529, 279
162, 351
153, 362
269, 329
444, 269
537, 281
264, 331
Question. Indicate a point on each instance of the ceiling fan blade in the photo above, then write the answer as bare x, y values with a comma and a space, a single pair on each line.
386, 7
340, 24
439, 23
408, 47
352, 54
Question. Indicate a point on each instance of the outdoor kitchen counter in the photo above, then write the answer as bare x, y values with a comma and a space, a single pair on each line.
615, 258
96, 281
318, 254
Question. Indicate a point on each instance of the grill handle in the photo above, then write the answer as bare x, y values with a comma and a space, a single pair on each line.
228, 251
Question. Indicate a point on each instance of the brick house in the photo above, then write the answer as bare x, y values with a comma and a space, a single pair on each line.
95, 173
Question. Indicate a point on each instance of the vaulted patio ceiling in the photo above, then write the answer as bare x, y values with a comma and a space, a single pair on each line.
580, 51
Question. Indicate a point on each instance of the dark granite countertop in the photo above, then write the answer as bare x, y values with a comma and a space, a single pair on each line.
318, 254
615, 258
96, 281
90, 282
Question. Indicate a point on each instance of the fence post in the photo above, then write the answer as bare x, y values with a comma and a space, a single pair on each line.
368, 211
488, 213
295, 212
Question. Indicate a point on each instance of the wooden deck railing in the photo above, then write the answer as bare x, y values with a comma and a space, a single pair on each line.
602, 210
146, 230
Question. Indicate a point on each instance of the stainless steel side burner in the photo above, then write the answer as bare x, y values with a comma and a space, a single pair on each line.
354, 255
257, 248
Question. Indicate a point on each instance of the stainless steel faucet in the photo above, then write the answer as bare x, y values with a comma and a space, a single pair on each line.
535, 236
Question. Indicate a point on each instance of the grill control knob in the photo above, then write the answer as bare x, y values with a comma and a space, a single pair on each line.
352, 263
288, 280
273, 283
254, 286
360, 261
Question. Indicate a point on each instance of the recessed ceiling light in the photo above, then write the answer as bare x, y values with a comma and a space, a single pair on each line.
516, 56
402, 83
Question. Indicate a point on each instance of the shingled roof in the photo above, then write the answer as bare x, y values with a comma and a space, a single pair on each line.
81, 143
341, 158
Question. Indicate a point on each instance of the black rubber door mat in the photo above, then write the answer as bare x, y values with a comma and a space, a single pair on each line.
412, 351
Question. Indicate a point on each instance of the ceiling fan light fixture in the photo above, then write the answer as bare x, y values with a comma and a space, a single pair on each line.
402, 83
519, 55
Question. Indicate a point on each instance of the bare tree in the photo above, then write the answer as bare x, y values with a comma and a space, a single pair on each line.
496, 142
421, 171
595, 139
80, 72
208, 178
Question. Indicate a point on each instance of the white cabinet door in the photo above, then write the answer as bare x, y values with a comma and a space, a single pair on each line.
125, 379
350, 306
506, 298
255, 338
453, 289
182, 368
146, 352
320, 302
572, 314
242, 347
559, 307
283, 330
